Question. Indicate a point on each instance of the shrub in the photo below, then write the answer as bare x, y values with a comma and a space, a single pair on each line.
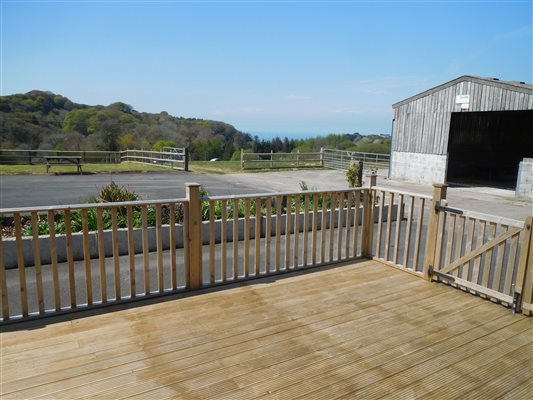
353, 175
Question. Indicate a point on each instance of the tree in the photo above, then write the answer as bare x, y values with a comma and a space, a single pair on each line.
158, 146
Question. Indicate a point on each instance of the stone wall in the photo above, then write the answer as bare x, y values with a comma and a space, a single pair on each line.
418, 167
524, 182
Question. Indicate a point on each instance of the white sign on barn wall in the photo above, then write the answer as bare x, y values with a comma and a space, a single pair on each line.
462, 99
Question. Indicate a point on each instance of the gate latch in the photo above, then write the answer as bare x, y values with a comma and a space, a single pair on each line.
438, 207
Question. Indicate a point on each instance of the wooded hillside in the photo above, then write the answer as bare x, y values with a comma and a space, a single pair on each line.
44, 120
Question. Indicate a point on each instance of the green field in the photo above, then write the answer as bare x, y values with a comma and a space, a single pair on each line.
199, 167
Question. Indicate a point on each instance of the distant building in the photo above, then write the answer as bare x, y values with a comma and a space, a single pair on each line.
470, 130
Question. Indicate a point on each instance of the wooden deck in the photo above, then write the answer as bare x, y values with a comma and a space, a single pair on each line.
361, 330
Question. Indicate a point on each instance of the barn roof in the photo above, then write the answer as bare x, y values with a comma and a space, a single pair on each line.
520, 87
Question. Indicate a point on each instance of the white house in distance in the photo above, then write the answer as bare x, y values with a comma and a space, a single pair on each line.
470, 130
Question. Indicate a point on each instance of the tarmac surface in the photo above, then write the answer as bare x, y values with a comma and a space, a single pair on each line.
42, 190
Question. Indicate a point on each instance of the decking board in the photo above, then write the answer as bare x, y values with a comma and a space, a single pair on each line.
361, 330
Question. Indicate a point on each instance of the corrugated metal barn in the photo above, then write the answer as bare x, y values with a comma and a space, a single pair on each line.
470, 130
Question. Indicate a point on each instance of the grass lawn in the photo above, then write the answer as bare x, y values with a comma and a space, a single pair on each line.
199, 167
215, 167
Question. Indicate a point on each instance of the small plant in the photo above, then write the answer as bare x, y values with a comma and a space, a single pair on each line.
113, 193
353, 175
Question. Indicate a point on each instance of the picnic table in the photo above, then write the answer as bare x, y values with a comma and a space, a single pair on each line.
63, 160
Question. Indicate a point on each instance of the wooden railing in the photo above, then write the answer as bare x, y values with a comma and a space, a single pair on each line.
122, 256
85, 256
401, 241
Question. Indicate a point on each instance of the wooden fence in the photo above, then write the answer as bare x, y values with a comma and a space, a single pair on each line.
281, 160
136, 250
177, 158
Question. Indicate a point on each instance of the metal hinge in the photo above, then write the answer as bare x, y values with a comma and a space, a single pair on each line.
516, 301
441, 275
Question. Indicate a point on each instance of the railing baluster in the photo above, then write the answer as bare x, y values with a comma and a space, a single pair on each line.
418, 235
101, 254
246, 237
491, 234
332, 212
258, 219
459, 241
380, 224
296, 231
314, 235
349, 218
389, 226
356, 219
288, 226
53, 260
511, 264
186, 252
340, 224
146, 248
21, 266
3, 283
212, 277
37, 260
172, 244
268, 232
131, 251
399, 214
323, 227
477, 262
87, 257
279, 206
116, 253
306, 228
498, 265
223, 240
235, 239
159, 239
407, 241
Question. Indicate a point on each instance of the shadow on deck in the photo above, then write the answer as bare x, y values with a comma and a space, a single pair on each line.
356, 330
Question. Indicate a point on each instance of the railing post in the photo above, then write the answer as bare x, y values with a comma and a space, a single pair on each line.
186, 159
524, 279
242, 158
368, 219
439, 194
195, 235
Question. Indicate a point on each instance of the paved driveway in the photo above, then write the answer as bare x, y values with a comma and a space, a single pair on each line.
36, 190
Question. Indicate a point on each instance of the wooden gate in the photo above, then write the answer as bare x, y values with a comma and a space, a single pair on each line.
482, 254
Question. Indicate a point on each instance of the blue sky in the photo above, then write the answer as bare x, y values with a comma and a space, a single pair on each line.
267, 67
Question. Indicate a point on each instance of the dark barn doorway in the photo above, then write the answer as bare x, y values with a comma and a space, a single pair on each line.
485, 148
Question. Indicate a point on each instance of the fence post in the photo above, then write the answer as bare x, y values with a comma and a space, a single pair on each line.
322, 157
194, 241
242, 158
368, 219
439, 194
186, 159
297, 158
271, 159
524, 279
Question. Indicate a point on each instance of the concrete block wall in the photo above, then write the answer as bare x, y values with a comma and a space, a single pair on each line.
524, 182
418, 167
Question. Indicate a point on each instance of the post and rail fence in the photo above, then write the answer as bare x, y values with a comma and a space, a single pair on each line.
327, 158
85, 256
176, 158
